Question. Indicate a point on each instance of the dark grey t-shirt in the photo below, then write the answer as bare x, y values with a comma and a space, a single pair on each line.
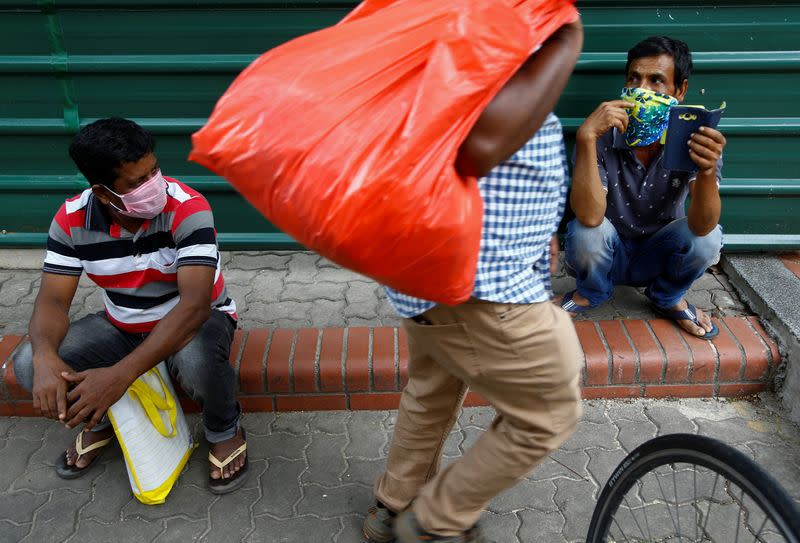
640, 201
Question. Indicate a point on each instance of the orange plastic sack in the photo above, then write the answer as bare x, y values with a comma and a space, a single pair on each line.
345, 139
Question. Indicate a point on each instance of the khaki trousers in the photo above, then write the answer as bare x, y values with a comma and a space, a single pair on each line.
525, 360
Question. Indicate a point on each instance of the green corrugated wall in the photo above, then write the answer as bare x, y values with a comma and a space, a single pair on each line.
64, 63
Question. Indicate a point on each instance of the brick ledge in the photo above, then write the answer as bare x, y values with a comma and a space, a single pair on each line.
366, 368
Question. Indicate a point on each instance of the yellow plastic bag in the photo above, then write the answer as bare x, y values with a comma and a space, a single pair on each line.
153, 434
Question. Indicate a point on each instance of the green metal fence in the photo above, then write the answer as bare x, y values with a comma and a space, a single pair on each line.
64, 63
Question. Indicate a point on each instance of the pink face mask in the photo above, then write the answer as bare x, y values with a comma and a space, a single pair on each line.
145, 201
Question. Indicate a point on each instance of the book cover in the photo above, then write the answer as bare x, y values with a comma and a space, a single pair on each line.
683, 122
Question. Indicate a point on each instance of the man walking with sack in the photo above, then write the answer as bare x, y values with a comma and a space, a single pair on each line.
508, 343
149, 242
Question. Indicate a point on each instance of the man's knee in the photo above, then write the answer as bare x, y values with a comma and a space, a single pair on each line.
584, 244
23, 366
704, 249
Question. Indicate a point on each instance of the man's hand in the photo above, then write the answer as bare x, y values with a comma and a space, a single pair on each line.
96, 390
607, 115
50, 388
705, 149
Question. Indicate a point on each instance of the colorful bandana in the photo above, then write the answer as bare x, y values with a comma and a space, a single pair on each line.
647, 119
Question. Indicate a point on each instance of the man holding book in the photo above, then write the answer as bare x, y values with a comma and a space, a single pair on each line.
631, 226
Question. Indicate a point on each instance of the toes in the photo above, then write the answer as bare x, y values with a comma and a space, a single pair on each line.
215, 474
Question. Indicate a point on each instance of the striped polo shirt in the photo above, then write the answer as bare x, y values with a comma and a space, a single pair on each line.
138, 272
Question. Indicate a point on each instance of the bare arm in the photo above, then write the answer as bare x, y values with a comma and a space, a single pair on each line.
522, 105
588, 196
100, 388
705, 206
47, 328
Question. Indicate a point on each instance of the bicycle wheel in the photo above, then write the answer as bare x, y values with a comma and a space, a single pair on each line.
684, 487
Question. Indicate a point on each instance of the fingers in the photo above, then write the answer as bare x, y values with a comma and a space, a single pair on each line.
61, 400
77, 414
73, 377
620, 103
94, 421
714, 134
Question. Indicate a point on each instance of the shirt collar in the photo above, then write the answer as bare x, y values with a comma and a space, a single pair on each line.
97, 217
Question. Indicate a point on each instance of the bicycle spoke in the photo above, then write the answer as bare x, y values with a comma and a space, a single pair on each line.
628, 505
672, 518
696, 519
677, 505
739, 515
710, 501
621, 531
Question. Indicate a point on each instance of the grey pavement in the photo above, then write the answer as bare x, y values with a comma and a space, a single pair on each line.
312, 475
301, 289
312, 472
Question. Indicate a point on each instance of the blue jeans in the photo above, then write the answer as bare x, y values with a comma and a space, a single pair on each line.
667, 263
201, 367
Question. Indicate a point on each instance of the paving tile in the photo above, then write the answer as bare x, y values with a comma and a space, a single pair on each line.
14, 532
55, 520
334, 502
541, 526
634, 433
15, 466
325, 461
503, 527
178, 529
669, 420
19, 507
280, 488
571, 501
230, 516
367, 435
278, 444
308, 529
602, 463
588, 434
526, 494
363, 470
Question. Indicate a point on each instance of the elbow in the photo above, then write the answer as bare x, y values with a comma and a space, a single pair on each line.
197, 313
476, 157
590, 221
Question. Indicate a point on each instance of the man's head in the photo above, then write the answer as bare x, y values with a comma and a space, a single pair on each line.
660, 64
116, 157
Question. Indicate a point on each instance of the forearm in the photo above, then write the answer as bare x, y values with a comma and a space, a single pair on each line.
588, 196
169, 336
522, 105
48, 327
705, 205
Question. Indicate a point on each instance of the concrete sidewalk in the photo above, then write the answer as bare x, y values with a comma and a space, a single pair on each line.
312, 476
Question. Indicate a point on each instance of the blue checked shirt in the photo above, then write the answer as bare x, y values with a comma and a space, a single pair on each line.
523, 200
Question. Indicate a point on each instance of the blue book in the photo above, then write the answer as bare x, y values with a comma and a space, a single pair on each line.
683, 122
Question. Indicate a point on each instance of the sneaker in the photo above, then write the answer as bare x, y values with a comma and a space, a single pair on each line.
408, 530
379, 524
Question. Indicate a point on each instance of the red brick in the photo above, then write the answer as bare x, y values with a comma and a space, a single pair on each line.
383, 374
730, 357
257, 404
357, 360
236, 347
651, 359
593, 393
278, 361
596, 357
305, 356
473, 399
7, 346
19, 409
371, 401
741, 389
402, 356
792, 264
251, 375
775, 354
667, 333
330, 359
704, 359
755, 353
623, 357
679, 391
330, 402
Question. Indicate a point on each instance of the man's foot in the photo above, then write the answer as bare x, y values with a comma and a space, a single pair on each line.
80, 456
228, 463
691, 319
379, 524
408, 530
573, 303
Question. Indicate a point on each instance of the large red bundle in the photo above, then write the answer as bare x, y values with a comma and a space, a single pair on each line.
345, 139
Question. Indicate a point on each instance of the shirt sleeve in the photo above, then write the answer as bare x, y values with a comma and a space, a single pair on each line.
61, 257
194, 234
562, 199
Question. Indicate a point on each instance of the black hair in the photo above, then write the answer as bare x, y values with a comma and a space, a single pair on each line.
100, 148
662, 45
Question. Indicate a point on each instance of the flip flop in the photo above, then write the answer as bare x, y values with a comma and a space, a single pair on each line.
569, 305
65, 471
688, 314
223, 486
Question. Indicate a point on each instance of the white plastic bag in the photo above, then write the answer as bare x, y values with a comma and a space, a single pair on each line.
153, 435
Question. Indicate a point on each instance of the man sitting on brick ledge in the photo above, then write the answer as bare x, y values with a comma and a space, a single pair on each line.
631, 227
150, 243
508, 343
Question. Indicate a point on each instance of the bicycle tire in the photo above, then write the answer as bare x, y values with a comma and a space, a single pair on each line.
710, 453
